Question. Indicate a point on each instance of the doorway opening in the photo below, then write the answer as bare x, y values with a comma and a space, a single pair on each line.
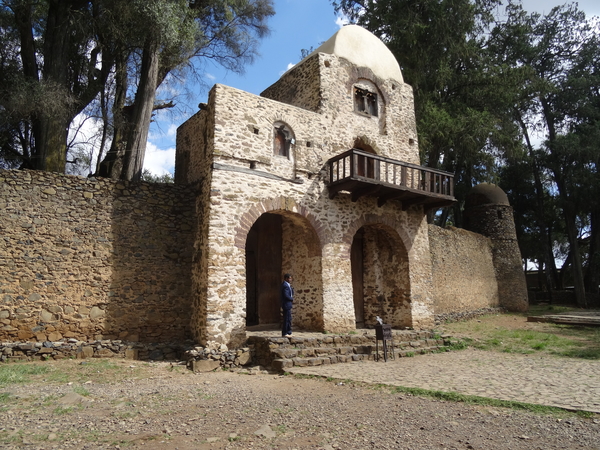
380, 277
283, 242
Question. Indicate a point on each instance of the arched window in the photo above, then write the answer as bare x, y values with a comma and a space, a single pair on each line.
365, 102
283, 139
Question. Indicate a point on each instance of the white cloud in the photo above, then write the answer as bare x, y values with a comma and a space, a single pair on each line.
157, 161
210, 76
341, 20
289, 66
172, 131
84, 143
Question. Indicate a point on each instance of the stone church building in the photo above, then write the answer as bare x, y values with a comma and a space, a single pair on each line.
318, 176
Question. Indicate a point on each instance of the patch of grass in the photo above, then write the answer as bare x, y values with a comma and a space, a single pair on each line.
475, 400
280, 429
57, 376
510, 333
62, 410
203, 395
11, 438
538, 310
46, 401
5, 398
15, 373
459, 344
100, 370
81, 391
302, 375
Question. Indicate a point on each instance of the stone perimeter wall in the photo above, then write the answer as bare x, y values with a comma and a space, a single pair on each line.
463, 271
86, 260
92, 259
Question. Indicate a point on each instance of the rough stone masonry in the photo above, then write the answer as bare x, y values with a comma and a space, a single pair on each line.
91, 259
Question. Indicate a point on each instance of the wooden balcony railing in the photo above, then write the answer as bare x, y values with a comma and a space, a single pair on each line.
362, 173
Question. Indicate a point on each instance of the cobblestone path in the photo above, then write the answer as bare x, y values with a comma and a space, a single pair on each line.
564, 382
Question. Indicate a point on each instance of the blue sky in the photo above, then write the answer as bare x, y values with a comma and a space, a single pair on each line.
297, 24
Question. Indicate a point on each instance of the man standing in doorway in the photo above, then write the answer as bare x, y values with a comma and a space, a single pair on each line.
287, 299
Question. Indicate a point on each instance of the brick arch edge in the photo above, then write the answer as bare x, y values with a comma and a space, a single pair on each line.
276, 204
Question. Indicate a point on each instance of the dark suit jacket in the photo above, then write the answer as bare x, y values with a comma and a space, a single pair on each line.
287, 295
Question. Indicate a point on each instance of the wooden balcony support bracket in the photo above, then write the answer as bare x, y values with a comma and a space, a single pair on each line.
333, 190
383, 199
368, 190
408, 203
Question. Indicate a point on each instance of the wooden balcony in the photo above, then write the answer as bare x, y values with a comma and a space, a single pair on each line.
362, 173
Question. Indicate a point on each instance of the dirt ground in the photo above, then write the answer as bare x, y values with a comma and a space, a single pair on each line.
155, 406
121, 404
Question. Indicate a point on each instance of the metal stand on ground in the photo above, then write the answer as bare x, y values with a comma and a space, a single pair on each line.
384, 333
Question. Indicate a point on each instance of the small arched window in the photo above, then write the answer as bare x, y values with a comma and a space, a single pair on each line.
283, 139
365, 102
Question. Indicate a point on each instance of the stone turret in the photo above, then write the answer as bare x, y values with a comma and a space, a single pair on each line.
488, 212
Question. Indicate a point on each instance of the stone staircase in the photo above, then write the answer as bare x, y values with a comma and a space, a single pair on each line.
313, 349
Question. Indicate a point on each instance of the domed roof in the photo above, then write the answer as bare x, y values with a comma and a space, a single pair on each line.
486, 194
363, 49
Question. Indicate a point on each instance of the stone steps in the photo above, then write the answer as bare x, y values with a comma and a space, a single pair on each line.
280, 353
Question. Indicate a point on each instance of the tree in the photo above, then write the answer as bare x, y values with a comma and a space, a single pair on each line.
559, 99
54, 67
60, 55
174, 34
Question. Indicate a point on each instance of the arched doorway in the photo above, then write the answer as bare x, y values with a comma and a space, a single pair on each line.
365, 167
263, 270
380, 278
283, 242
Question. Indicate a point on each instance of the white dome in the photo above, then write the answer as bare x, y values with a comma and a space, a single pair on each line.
363, 49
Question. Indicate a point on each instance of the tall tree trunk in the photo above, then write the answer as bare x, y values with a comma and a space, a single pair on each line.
592, 276
104, 111
142, 112
546, 240
51, 138
112, 164
23, 19
569, 214
568, 207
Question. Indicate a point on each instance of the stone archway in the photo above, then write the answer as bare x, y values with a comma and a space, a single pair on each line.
281, 242
380, 277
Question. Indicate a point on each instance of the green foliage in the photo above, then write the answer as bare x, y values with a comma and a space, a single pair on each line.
459, 97
20, 372
166, 178
483, 401
112, 53
554, 187
81, 391
63, 410
556, 340
486, 89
